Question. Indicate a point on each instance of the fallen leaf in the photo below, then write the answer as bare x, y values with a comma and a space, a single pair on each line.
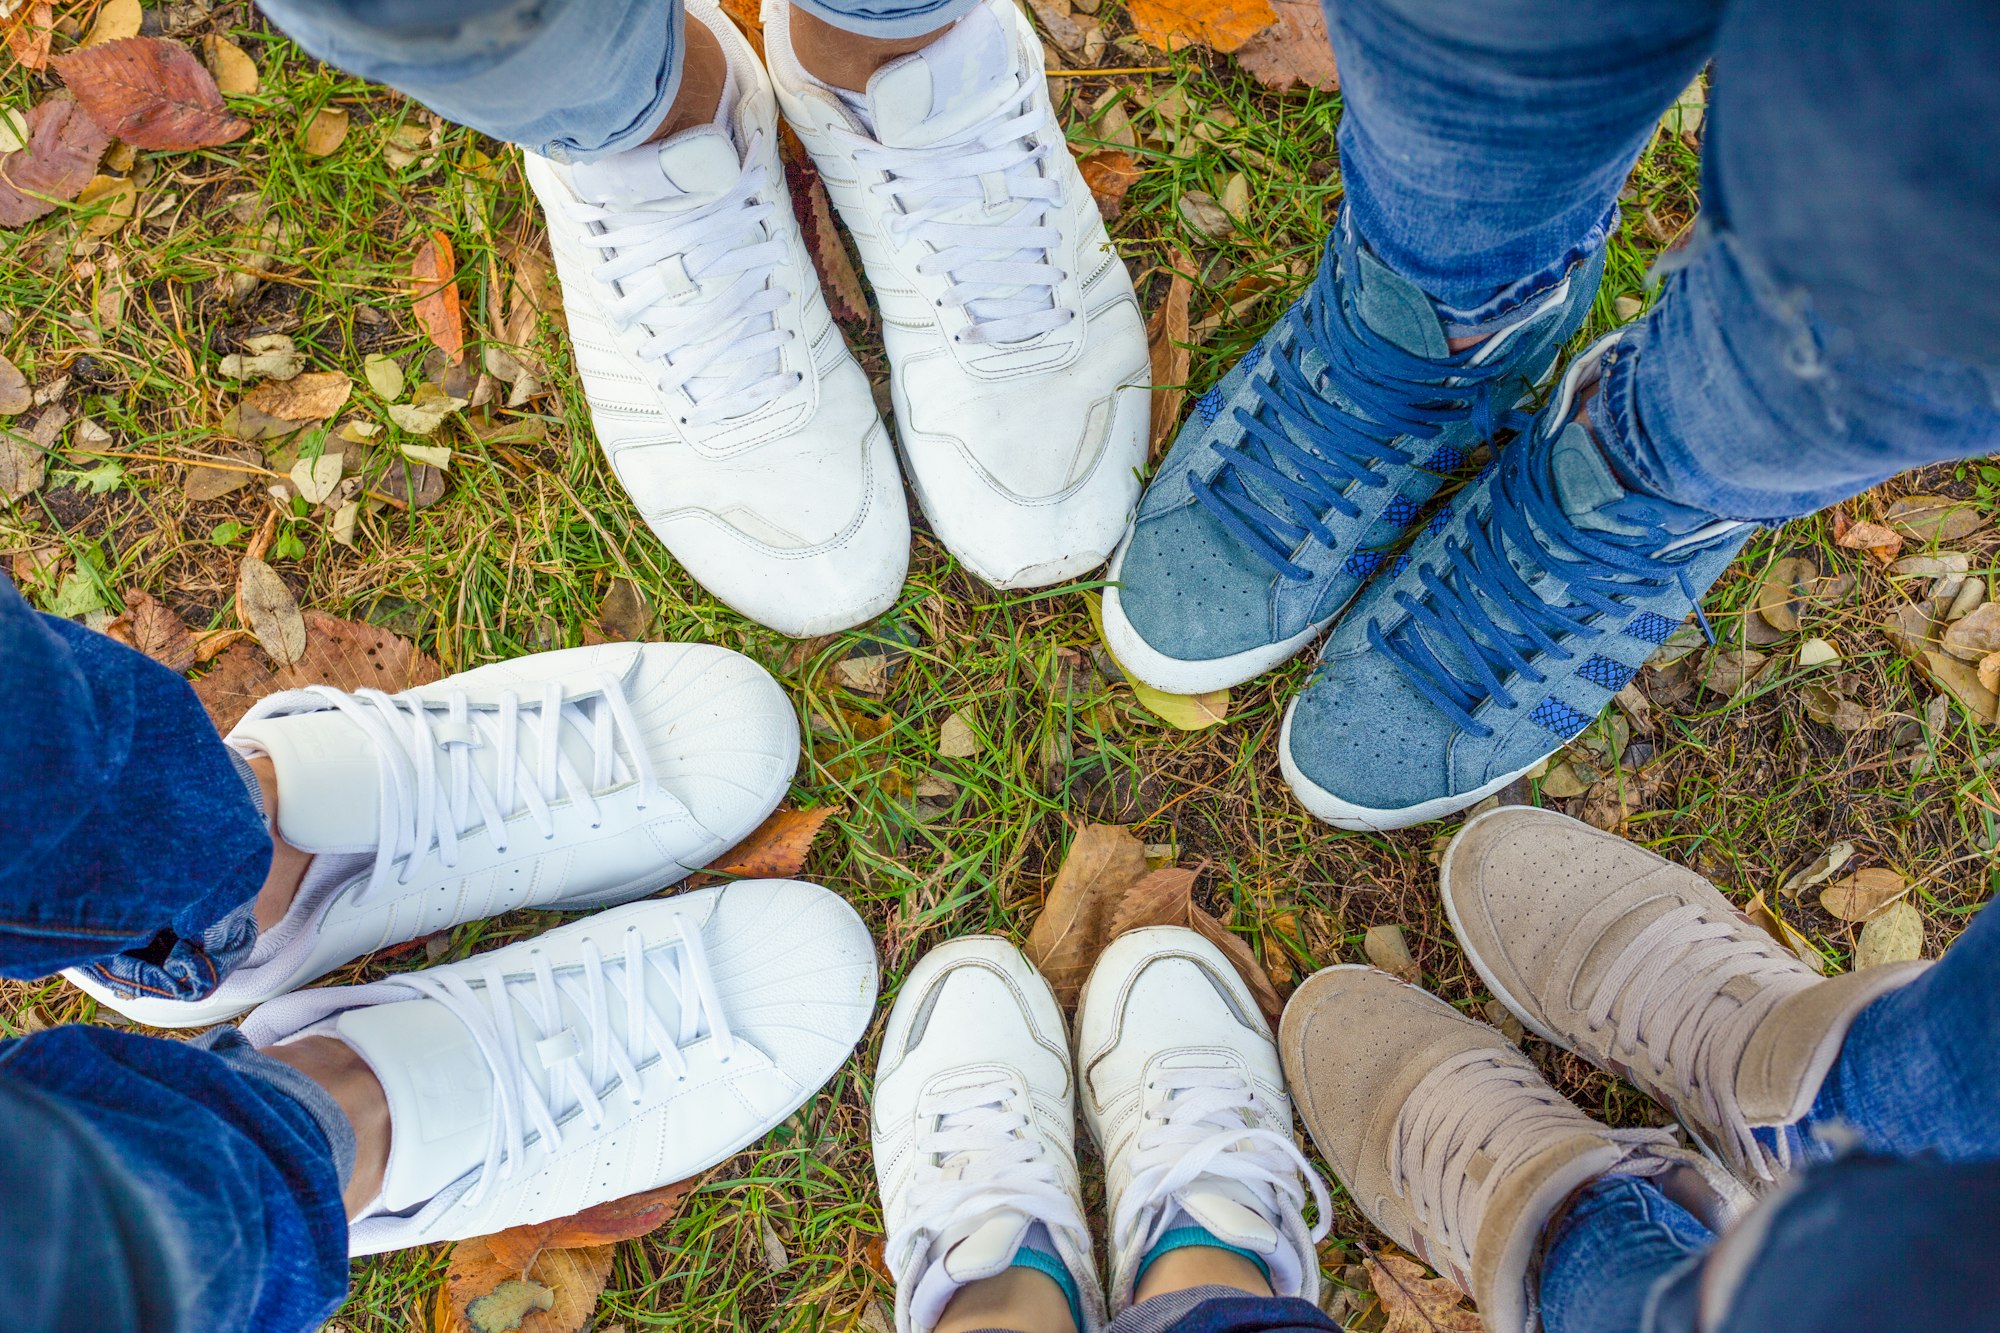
1864, 895
865, 674
1685, 115
1989, 672
430, 455
1220, 25
1823, 867
1165, 897
1187, 712
15, 397
1894, 936
116, 19
212, 483
64, 147
1783, 589
1817, 652
1110, 173
269, 609
108, 202
1961, 681
1167, 334
1075, 922
1933, 518
271, 356
316, 479
1292, 52
748, 16
626, 613
1828, 705
1760, 914
956, 738
346, 654
1199, 209
426, 410
32, 31
1976, 635
776, 848
1567, 779
1733, 671
434, 282
313, 396
150, 627
1415, 1302
325, 132
1387, 949
234, 71
150, 92
628, 1218
845, 296
558, 1293
1883, 542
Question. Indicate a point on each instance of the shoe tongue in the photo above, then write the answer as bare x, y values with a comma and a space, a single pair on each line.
329, 779
692, 168
1593, 498
440, 1094
1228, 1212
933, 95
1396, 309
983, 1246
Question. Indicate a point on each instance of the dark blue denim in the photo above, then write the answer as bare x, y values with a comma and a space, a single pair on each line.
145, 1184
1832, 323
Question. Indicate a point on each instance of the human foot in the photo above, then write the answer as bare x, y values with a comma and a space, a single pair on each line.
1183, 1091
1018, 360
1296, 473
1502, 633
569, 779
1644, 969
975, 1136
610, 1056
720, 388
1451, 1141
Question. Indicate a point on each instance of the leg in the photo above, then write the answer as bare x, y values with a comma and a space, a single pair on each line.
1617, 1242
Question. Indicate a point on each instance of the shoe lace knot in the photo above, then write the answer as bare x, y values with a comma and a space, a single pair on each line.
1309, 437
1521, 578
699, 274
1209, 1123
1681, 1001
448, 765
978, 207
561, 1046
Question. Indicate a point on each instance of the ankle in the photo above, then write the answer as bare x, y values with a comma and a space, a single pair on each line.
288, 863
704, 75
845, 60
1201, 1266
339, 1069
1024, 1300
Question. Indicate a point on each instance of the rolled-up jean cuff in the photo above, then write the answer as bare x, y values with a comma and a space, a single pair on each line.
866, 19
234, 1049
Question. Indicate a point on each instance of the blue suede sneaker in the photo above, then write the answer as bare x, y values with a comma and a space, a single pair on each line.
1295, 475
1502, 634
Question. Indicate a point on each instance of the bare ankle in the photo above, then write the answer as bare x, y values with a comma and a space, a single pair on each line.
288, 863
1201, 1266
841, 59
1019, 1298
338, 1068
704, 74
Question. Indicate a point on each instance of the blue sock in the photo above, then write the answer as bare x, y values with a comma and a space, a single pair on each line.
1184, 1232
1038, 1252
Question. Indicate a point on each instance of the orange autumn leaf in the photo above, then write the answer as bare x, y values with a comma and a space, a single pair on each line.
29, 32
434, 276
1110, 173
1220, 25
776, 848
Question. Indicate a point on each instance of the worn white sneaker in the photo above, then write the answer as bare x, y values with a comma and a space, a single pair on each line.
1018, 362
576, 778
1184, 1092
721, 389
975, 1131
613, 1055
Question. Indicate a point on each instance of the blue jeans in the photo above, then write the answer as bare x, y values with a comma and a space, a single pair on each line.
570, 79
148, 1184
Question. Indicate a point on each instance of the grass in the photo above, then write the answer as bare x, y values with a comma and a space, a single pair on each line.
524, 547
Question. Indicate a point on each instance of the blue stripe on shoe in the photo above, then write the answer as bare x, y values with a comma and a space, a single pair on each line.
1605, 672
1650, 626
1556, 716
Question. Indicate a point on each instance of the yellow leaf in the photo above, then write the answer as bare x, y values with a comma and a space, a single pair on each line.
235, 72
1188, 712
117, 19
326, 131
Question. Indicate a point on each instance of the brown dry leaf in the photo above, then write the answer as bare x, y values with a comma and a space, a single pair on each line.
558, 1293
1864, 895
1733, 671
212, 483
748, 16
776, 848
326, 131
313, 396
1989, 672
64, 147
1387, 949
235, 72
24, 466
1883, 543
116, 19
845, 295
1165, 897
1760, 914
346, 654
1075, 922
1975, 635
1961, 681
1932, 518
1167, 332
150, 92
434, 281
1416, 1302
606, 1224
1783, 590
156, 631
1293, 51
626, 613
1110, 173
956, 738
15, 397
29, 35
113, 200
1896, 935
267, 606
1220, 25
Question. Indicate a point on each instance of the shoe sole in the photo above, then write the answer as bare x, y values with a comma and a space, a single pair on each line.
1323, 805
1184, 676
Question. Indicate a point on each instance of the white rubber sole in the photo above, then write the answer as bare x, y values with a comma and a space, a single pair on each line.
1328, 808
1199, 676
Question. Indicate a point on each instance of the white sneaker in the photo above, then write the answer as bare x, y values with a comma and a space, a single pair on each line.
613, 1055
569, 779
1184, 1092
1018, 361
721, 389
975, 1129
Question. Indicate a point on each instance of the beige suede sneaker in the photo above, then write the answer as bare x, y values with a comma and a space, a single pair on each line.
1452, 1142
1643, 968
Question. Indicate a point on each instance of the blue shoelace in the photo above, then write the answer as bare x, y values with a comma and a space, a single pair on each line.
1394, 393
1472, 605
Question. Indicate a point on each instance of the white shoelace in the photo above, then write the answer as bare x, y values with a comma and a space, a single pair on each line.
980, 204
702, 281
432, 792
1212, 1127
1476, 1104
1670, 977
981, 1156
522, 1106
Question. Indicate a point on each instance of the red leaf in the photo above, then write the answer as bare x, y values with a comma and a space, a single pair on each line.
345, 654
1292, 51
776, 848
845, 296
29, 34
1109, 173
63, 147
620, 1219
435, 274
150, 92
